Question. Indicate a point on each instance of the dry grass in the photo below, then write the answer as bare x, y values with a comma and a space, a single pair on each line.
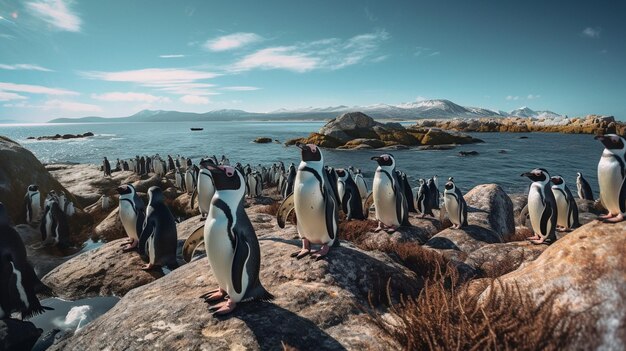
521, 233
355, 230
442, 317
270, 209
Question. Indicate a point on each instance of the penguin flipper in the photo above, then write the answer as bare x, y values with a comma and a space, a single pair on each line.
242, 252
148, 229
331, 212
193, 241
285, 208
193, 197
546, 220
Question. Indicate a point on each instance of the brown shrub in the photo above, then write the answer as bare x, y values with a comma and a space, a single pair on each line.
521, 233
270, 209
354, 230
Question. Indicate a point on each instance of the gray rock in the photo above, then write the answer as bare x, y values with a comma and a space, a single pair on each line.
351, 121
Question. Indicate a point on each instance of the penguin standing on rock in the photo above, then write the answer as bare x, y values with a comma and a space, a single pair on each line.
159, 237
231, 245
455, 205
360, 183
408, 192
351, 203
584, 189
106, 167
566, 205
206, 187
423, 201
433, 189
542, 207
291, 178
18, 281
32, 204
54, 227
132, 212
611, 177
392, 209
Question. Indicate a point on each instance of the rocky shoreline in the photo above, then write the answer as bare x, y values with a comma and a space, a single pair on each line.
342, 302
62, 137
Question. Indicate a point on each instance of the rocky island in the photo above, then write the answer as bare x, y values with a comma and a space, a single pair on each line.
62, 137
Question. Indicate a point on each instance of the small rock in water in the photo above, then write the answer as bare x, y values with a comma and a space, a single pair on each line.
468, 153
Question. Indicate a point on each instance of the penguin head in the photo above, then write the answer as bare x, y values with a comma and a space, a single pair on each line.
422, 181
155, 195
385, 160
126, 189
206, 162
538, 175
310, 152
558, 181
449, 185
431, 181
451, 179
342, 174
578, 174
33, 188
611, 141
226, 178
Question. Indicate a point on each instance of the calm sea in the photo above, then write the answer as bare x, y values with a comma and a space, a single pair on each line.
502, 158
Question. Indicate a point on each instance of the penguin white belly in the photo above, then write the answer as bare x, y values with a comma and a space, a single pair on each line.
360, 184
189, 182
35, 205
562, 208
49, 237
221, 254
310, 208
452, 207
151, 250
19, 286
610, 179
385, 200
205, 194
129, 219
341, 189
535, 208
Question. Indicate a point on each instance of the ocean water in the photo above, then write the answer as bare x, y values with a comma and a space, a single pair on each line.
502, 158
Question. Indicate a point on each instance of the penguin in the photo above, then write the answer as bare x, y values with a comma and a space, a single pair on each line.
62, 199
566, 204
170, 163
179, 178
106, 167
190, 180
455, 205
206, 187
254, 184
360, 183
54, 227
159, 237
433, 190
542, 207
18, 282
423, 201
315, 204
392, 209
584, 189
132, 212
332, 177
70, 210
351, 203
32, 203
291, 178
408, 192
231, 244
611, 175
105, 202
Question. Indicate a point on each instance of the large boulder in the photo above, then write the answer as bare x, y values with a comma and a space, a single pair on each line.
318, 305
111, 227
349, 126
100, 272
19, 168
494, 260
587, 271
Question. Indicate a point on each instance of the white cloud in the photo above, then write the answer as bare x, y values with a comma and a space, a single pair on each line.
35, 89
532, 97
56, 13
330, 53
70, 106
231, 41
152, 76
195, 100
185, 88
172, 56
590, 32
129, 97
512, 98
6, 96
240, 88
24, 67
424, 51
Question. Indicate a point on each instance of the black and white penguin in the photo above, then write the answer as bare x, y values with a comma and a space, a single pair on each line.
408, 192
231, 244
159, 236
170, 163
132, 213
566, 204
106, 167
179, 178
360, 183
611, 175
433, 190
351, 203
315, 203
455, 205
206, 187
253, 184
290, 179
32, 204
54, 227
332, 178
18, 281
584, 189
190, 179
392, 209
423, 201
542, 207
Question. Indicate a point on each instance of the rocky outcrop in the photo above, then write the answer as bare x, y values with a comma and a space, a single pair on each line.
111, 227
494, 259
104, 271
62, 137
591, 124
586, 270
356, 130
17, 335
262, 140
19, 168
315, 306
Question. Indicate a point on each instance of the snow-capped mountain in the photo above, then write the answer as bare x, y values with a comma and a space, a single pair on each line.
527, 112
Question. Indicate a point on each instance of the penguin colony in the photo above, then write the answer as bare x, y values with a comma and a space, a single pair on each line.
313, 190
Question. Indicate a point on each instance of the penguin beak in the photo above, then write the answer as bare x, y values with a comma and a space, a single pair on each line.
527, 174
300, 145
375, 158
599, 137
120, 189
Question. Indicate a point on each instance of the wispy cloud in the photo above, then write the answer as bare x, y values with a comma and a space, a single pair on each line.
533, 97
231, 41
24, 67
35, 89
129, 97
7, 96
172, 56
57, 13
240, 88
425, 51
512, 98
152, 76
185, 88
195, 100
70, 106
590, 32
331, 53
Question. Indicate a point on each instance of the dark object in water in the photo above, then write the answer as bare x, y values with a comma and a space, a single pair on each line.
196, 129
502, 152
468, 153
523, 137
62, 137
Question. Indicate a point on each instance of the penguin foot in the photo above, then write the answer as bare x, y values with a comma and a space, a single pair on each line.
318, 254
391, 230
534, 237
148, 267
214, 295
616, 219
300, 254
379, 228
130, 246
539, 241
606, 216
223, 308
127, 242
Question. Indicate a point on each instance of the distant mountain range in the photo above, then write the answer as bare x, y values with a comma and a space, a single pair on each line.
413, 110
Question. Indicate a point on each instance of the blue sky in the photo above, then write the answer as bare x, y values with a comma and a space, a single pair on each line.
63, 58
